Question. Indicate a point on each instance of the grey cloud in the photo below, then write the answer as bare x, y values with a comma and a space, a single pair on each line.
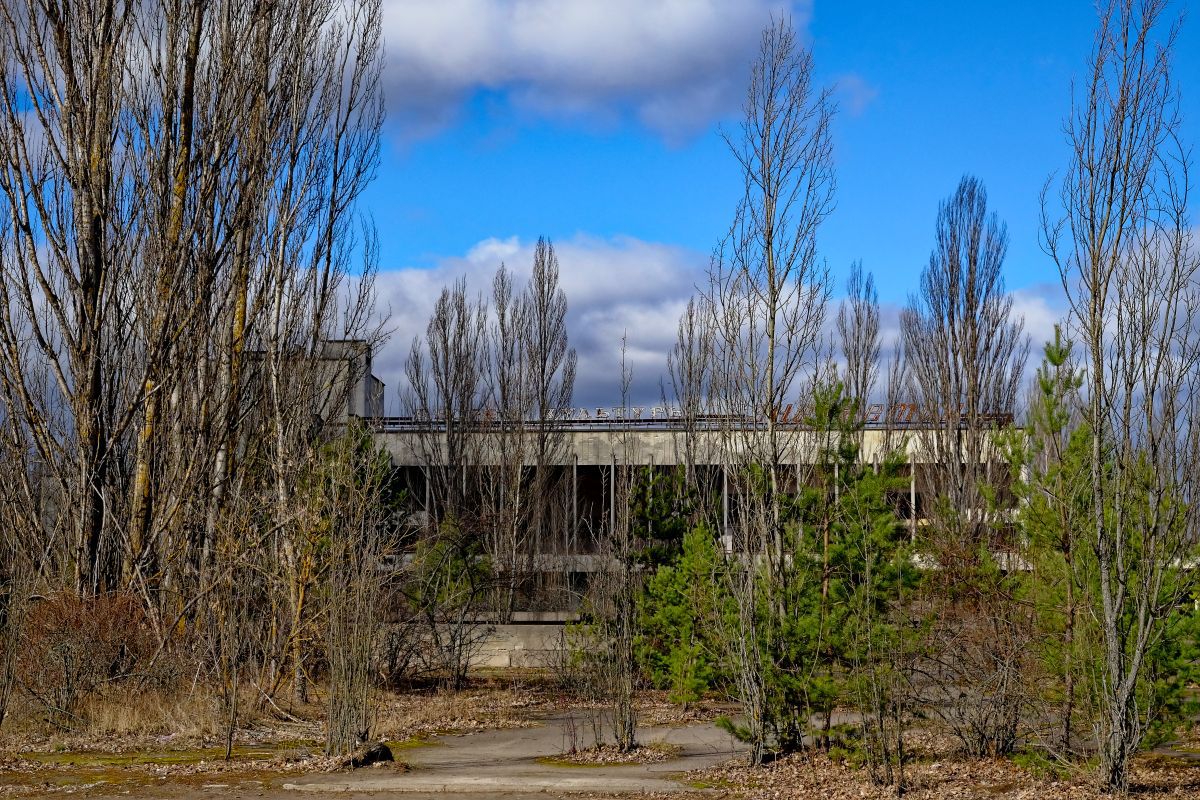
615, 287
673, 64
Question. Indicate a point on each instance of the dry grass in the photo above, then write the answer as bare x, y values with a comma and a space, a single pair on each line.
190, 715
155, 719
152, 718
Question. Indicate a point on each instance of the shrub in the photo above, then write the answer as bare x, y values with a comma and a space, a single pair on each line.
74, 646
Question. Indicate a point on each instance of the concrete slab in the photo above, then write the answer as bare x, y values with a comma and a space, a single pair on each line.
508, 762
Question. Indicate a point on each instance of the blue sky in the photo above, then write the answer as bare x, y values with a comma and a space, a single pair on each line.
597, 123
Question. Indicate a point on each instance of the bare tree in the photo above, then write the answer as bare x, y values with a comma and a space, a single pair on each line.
1128, 261
506, 489
355, 477
227, 616
447, 396
765, 308
965, 354
64, 290
309, 250
858, 332
550, 365
614, 588
489, 392
175, 277
964, 351
16, 585
531, 383
689, 365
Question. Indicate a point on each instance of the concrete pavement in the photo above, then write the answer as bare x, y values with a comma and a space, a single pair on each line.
520, 762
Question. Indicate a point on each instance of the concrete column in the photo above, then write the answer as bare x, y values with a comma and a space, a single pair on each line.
912, 497
428, 512
612, 495
724, 500
575, 503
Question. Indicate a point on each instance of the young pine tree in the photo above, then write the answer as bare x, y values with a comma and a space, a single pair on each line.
678, 609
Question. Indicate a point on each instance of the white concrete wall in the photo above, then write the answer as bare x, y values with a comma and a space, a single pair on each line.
665, 447
523, 645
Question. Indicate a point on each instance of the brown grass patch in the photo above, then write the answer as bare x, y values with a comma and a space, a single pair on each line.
404, 716
610, 756
816, 775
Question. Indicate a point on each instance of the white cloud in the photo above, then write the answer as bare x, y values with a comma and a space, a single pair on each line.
675, 65
617, 287
1043, 306
854, 93
614, 287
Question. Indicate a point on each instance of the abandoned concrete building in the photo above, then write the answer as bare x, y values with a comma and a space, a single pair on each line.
584, 453
591, 446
